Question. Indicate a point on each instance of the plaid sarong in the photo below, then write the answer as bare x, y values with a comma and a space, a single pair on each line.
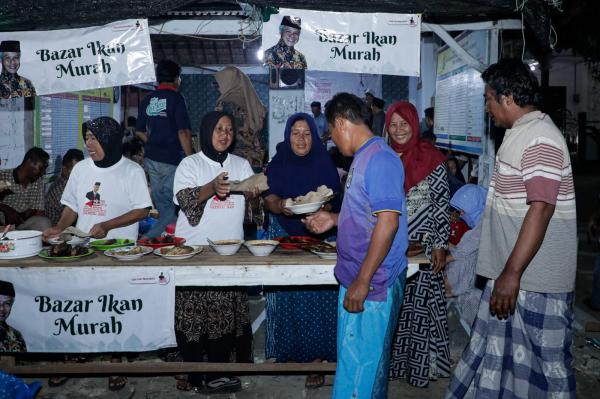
526, 356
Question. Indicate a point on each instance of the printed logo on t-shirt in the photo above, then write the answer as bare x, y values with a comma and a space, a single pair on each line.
94, 206
349, 178
217, 203
157, 107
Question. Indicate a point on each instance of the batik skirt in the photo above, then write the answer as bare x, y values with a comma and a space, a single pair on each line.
421, 346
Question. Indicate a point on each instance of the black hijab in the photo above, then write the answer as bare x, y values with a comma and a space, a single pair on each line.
207, 127
109, 134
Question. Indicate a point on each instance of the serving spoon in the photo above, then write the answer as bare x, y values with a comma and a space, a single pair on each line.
5, 232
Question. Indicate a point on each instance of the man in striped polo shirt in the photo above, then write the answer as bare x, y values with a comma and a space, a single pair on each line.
520, 341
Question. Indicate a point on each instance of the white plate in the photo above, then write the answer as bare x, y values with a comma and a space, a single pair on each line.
197, 250
325, 255
305, 208
119, 254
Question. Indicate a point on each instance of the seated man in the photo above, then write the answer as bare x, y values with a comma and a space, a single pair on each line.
22, 192
53, 206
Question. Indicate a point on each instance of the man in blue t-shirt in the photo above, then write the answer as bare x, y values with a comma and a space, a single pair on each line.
371, 243
164, 126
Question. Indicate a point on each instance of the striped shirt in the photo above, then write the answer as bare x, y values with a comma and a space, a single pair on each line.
532, 164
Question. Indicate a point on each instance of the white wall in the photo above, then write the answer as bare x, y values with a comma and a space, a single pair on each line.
571, 72
421, 91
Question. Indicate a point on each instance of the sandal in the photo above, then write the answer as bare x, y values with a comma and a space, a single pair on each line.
222, 385
184, 385
57, 381
314, 381
116, 382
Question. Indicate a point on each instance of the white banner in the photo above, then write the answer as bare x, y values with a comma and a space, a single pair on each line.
322, 86
89, 309
352, 42
65, 60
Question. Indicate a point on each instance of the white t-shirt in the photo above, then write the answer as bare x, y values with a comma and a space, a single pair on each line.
221, 220
122, 188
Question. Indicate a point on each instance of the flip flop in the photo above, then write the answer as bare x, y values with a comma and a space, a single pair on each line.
314, 381
222, 385
184, 385
116, 382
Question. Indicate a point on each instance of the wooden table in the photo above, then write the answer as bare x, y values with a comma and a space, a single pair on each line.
282, 267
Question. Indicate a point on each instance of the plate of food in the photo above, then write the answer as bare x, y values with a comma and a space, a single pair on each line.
310, 202
324, 249
301, 209
178, 252
111, 243
64, 251
128, 253
159, 242
296, 242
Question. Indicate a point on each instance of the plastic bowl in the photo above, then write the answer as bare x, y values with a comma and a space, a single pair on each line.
226, 247
261, 247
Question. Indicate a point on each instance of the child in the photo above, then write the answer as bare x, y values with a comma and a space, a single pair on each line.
469, 200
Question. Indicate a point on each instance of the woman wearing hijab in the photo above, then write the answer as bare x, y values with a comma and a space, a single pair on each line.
106, 193
469, 200
117, 186
211, 322
301, 325
420, 349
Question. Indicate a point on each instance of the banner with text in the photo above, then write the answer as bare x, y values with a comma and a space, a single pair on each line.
58, 61
86, 310
374, 43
